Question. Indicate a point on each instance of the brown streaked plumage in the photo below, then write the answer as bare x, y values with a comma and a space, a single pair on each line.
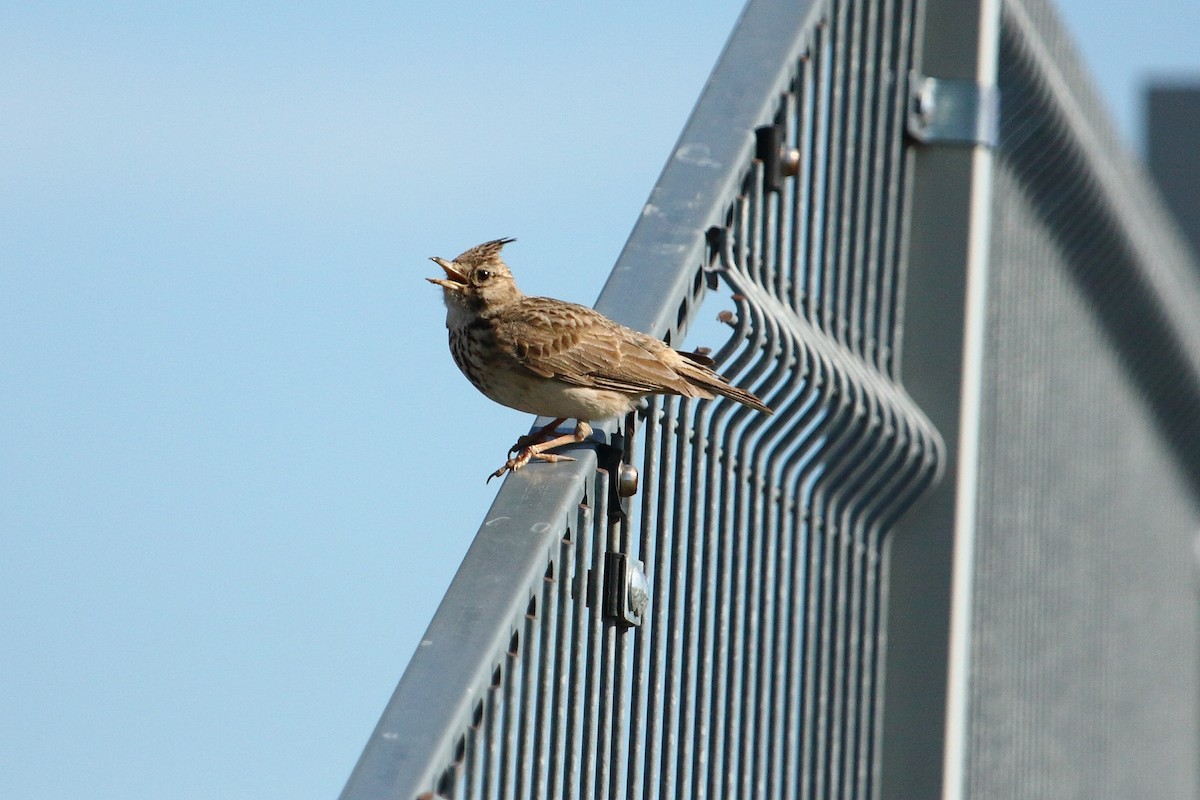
558, 359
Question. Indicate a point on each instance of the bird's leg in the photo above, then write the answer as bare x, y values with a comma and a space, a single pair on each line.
581, 433
538, 436
538, 451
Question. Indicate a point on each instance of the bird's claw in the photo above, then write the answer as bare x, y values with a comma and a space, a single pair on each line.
544, 442
522, 458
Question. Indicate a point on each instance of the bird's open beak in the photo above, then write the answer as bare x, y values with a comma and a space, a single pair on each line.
454, 280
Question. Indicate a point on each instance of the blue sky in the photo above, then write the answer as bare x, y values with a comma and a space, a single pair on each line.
239, 467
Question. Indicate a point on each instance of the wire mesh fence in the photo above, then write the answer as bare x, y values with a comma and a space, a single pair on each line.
696, 607
715, 632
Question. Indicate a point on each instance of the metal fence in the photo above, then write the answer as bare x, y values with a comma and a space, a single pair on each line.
1085, 645
704, 604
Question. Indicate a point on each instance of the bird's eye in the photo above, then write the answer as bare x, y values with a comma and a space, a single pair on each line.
482, 276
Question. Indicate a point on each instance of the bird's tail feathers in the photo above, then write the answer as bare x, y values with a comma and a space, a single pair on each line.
699, 375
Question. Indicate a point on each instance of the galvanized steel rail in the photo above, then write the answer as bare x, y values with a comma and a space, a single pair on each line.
715, 632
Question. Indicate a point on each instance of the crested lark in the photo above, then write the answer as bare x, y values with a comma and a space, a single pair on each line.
558, 359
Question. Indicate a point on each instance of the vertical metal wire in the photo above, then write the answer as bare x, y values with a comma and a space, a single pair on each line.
656, 730
736, 727
726, 547
591, 699
621, 735
491, 768
833, 157
877, 74
606, 633
548, 647
686, 507
810, 522
474, 762
640, 712
575, 739
704, 553
762, 233
510, 704
564, 625
818, 209
528, 700
847, 271
802, 197
784, 384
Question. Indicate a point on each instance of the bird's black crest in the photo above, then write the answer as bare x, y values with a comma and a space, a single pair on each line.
482, 253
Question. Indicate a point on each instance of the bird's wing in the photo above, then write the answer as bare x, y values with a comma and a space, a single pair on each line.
581, 346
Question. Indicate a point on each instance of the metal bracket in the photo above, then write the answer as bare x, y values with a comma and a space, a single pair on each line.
715, 237
626, 590
609, 458
768, 148
953, 111
779, 161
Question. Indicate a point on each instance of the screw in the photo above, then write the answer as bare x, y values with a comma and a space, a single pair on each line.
627, 480
638, 591
789, 162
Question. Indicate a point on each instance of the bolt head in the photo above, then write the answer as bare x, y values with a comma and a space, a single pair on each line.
627, 480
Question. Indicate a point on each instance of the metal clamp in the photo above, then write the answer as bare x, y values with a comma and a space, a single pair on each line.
626, 590
953, 111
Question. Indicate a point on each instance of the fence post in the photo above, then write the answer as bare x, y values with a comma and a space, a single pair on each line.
928, 564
